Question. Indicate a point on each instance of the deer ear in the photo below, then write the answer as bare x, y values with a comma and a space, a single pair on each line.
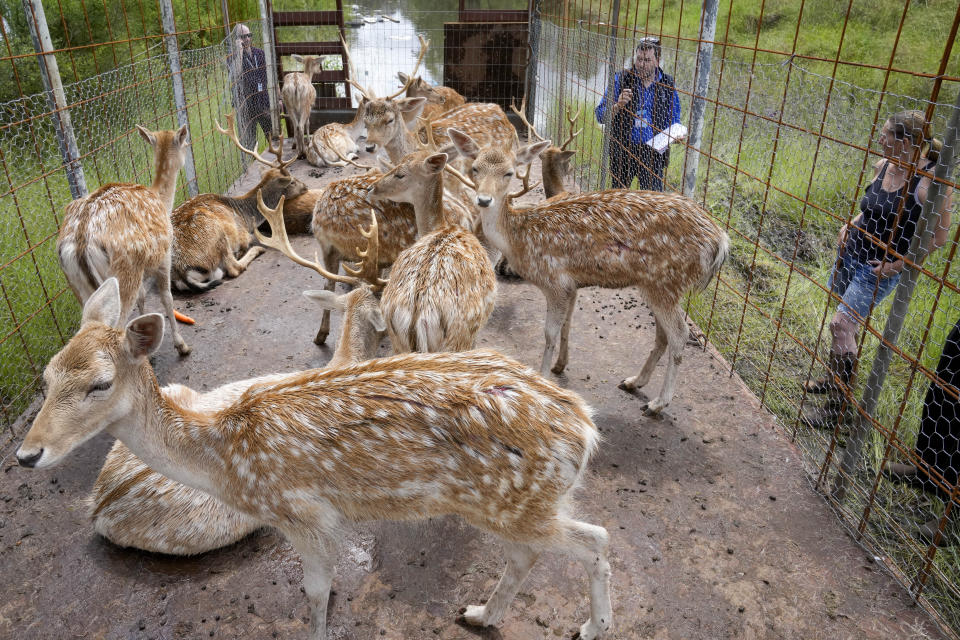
564, 156
464, 144
435, 163
403, 77
297, 58
527, 154
104, 305
147, 135
410, 104
181, 136
326, 299
144, 335
375, 318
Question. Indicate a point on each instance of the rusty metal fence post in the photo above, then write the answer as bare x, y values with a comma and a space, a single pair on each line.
173, 55
270, 57
708, 30
56, 99
901, 302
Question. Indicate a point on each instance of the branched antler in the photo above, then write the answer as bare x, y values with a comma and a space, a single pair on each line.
366, 93
365, 274
573, 123
231, 132
522, 112
525, 180
326, 141
424, 45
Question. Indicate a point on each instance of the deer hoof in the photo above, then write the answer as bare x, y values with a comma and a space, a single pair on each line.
183, 349
627, 384
654, 407
558, 368
473, 615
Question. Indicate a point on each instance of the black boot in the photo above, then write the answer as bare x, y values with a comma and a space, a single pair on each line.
837, 386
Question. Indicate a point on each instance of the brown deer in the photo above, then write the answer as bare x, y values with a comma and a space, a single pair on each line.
442, 288
439, 98
299, 95
473, 434
554, 160
210, 229
124, 231
663, 243
134, 506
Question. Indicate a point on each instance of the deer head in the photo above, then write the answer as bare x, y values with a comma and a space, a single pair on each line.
492, 168
90, 384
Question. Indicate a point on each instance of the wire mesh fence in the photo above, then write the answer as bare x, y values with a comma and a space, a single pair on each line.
127, 83
792, 147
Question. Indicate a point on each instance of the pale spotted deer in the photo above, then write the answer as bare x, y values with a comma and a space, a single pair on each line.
210, 229
439, 98
335, 140
442, 288
473, 434
665, 244
299, 95
134, 506
124, 231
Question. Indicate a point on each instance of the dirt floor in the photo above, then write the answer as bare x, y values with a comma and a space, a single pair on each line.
715, 531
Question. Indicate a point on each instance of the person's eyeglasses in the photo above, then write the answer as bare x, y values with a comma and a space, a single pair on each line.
649, 40
246, 36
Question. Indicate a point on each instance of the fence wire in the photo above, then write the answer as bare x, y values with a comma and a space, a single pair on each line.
789, 147
39, 312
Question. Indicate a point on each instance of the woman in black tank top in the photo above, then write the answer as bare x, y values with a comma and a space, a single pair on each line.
868, 249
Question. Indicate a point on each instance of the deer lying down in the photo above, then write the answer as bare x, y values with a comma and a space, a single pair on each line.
474, 434
134, 506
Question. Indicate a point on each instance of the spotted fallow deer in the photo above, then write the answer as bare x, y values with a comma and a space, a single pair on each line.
299, 95
554, 160
210, 229
663, 243
134, 506
333, 140
439, 98
124, 231
442, 288
473, 434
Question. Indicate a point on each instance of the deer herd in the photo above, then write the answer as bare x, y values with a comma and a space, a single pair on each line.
438, 427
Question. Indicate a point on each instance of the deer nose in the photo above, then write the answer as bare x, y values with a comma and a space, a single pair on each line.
484, 201
371, 147
29, 460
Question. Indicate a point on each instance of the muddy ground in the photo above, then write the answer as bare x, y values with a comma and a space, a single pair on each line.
715, 530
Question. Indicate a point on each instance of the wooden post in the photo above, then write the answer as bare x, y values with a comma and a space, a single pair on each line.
270, 55
179, 97
708, 30
56, 98
608, 113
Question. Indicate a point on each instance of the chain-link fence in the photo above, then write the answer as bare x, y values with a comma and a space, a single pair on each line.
79, 134
793, 148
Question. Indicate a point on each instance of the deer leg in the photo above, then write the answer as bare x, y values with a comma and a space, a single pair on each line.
319, 567
588, 543
236, 267
162, 282
556, 312
520, 559
331, 262
676, 332
659, 346
562, 358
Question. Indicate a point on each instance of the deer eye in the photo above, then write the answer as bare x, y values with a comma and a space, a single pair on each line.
508, 174
474, 169
399, 176
100, 386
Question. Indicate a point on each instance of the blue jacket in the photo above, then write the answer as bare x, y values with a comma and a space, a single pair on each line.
650, 111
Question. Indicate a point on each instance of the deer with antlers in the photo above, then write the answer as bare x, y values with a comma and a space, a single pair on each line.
335, 140
299, 95
134, 506
665, 244
439, 98
210, 230
124, 231
554, 160
442, 288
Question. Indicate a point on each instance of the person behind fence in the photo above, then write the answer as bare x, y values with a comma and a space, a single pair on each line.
646, 104
866, 270
938, 441
248, 75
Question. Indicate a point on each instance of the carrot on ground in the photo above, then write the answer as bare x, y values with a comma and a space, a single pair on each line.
182, 318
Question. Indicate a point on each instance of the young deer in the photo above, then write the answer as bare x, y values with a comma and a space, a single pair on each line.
299, 95
439, 98
134, 506
124, 231
473, 434
210, 229
442, 288
663, 243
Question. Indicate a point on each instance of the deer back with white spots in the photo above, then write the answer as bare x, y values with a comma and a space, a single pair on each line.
473, 434
665, 244
124, 231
